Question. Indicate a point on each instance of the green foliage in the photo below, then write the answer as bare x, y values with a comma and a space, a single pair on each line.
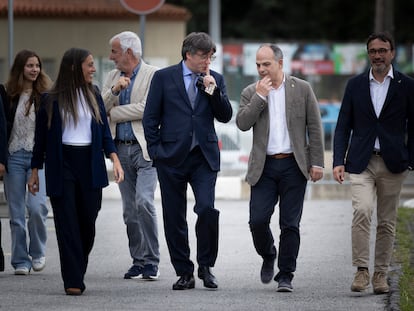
404, 254
334, 20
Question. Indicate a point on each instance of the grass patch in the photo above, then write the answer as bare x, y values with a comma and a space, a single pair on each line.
405, 256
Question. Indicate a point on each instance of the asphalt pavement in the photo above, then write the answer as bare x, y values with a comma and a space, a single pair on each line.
322, 280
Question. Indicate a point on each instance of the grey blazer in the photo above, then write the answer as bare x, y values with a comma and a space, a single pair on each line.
303, 122
134, 111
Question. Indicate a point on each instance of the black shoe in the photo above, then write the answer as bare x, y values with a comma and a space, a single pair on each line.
208, 278
267, 271
1, 259
184, 282
285, 284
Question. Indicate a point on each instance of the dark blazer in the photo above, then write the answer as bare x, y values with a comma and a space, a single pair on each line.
48, 148
169, 119
394, 127
9, 109
3, 134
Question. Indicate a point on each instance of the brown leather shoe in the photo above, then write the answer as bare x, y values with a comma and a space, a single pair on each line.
361, 281
72, 291
379, 283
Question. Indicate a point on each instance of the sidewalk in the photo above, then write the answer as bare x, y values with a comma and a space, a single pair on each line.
322, 281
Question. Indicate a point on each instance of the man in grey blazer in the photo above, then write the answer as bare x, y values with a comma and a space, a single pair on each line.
287, 151
125, 93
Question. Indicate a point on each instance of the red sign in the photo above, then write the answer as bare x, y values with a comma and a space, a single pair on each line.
313, 67
142, 7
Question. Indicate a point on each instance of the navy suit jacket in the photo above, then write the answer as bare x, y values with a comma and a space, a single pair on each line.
169, 119
358, 125
48, 148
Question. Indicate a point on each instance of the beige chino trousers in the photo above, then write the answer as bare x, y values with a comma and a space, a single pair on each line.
375, 183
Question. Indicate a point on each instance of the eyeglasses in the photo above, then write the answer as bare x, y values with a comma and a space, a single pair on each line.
204, 57
381, 51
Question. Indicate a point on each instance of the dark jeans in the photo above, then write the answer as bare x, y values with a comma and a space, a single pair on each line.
283, 182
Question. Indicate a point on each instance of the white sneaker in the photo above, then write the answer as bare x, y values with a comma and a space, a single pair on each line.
38, 264
21, 271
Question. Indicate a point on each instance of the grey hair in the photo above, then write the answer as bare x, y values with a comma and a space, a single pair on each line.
129, 40
276, 50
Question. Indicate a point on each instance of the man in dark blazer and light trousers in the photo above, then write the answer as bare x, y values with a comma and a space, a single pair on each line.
179, 128
374, 143
287, 150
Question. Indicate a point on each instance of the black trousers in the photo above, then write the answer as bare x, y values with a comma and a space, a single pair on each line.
75, 214
1, 253
283, 182
173, 184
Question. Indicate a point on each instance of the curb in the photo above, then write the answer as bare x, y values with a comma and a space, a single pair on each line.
393, 303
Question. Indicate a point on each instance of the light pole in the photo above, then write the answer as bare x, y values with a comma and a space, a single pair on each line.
384, 16
214, 24
11, 31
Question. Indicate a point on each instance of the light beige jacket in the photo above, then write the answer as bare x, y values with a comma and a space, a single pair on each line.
135, 110
303, 122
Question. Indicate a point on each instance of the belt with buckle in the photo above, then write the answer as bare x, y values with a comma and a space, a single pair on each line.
376, 153
279, 156
126, 142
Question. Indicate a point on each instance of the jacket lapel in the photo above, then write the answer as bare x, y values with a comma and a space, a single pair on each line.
366, 94
290, 93
178, 79
391, 90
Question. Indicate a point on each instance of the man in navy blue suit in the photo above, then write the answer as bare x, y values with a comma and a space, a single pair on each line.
374, 143
182, 103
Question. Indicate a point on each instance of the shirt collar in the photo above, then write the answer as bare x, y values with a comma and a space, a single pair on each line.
281, 84
389, 74
186, 70
134, 72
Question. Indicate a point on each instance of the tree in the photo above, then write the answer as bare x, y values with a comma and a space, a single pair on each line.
333, 20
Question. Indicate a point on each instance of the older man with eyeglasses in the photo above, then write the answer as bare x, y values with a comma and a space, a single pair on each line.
183, 101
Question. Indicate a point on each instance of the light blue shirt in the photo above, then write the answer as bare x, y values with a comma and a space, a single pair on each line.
124, 130
187, 76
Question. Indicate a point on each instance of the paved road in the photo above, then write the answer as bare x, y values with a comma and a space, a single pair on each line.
322, 279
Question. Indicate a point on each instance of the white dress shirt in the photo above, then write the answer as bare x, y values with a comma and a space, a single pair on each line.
379, 92
279, 141
81, 133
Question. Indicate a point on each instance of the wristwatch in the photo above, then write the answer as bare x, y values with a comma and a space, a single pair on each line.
114, 93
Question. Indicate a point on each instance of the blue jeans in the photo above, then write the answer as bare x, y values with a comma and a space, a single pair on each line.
18, 199
137, 192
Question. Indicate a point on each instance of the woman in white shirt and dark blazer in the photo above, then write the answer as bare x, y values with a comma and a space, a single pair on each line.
72, 137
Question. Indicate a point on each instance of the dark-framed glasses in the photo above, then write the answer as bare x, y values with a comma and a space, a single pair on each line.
381, 51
